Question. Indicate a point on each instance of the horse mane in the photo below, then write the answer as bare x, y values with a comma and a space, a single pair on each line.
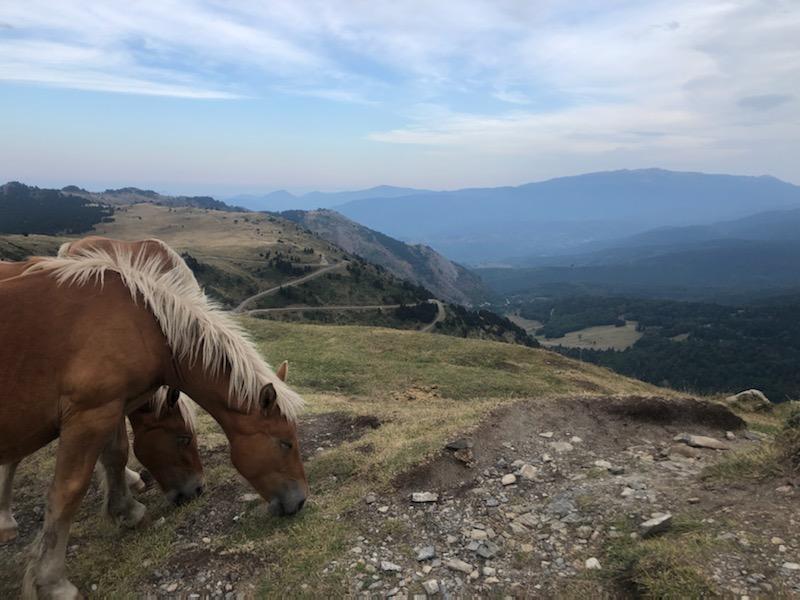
158, 402
196, 327
174, 260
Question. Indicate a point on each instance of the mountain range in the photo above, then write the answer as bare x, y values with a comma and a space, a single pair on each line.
488, 225
752, 255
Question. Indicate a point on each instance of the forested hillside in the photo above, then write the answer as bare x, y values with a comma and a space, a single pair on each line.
698, 347
25, 209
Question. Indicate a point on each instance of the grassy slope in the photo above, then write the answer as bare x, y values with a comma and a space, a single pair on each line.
357, 370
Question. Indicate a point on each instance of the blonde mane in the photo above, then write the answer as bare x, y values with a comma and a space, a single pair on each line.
196, 328
159, 404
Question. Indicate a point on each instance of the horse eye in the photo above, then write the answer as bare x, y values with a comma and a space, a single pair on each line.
286, 445
184, 440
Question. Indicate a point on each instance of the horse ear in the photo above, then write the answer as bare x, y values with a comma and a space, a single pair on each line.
173, 397
268, 397
283, 371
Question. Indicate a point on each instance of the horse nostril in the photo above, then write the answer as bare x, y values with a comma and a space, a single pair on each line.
200, 490
301, 504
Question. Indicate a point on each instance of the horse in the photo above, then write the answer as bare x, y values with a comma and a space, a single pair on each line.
85, 339
165, 444
170, 455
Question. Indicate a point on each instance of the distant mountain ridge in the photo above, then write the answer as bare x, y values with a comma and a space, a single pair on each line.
282, 200
132, 195
489, 224
417, 263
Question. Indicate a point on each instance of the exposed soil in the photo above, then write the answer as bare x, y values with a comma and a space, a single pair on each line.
571, 507
331, 429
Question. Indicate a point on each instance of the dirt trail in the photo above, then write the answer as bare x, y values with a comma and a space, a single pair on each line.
300, 280
441, 314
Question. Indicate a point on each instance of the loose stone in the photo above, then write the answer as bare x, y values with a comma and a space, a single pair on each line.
456, 564
592, 564
424, 497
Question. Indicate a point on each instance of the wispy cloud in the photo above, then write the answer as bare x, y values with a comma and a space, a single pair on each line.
511, 78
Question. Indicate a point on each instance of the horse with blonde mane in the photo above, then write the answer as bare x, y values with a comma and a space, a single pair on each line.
85, 339
163, 430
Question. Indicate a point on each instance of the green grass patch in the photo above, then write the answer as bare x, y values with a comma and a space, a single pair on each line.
667, 566
753, 463
372, 362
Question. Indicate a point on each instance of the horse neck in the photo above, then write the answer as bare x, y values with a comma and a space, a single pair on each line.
210, 392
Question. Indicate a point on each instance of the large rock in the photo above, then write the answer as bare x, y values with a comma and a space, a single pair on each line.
750, 401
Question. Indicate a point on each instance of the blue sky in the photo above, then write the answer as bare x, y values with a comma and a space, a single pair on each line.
225, 97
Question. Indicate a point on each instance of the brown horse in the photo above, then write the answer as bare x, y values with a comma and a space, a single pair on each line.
164, 442
84, 339
164, 431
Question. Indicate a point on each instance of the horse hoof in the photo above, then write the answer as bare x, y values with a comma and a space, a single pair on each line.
8, 529
61, 590
135, 514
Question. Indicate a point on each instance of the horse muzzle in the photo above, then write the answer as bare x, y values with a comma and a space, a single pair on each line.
288, 502
187, 492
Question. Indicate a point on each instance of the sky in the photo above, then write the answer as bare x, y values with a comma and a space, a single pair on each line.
191, 96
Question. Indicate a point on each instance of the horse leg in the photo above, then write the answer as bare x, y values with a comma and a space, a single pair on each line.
134, 480
119, 504
8, 526
82, 439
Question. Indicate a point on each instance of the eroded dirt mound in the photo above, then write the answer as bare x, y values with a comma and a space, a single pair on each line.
674, 411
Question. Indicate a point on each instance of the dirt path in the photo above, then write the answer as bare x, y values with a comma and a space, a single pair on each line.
294, 282
583, 468
266, 311
441, 315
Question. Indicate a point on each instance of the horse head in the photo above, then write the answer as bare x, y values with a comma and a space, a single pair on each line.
166, 444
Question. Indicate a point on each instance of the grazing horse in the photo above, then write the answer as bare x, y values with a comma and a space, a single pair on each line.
170, 455
164, 442
85, 339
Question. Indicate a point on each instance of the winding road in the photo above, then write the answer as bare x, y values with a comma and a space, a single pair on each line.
300, 280
441, 313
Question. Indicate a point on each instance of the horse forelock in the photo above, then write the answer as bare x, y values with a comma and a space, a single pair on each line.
158, 403
196, 328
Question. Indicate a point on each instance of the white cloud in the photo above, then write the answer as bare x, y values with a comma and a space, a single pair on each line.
604, 80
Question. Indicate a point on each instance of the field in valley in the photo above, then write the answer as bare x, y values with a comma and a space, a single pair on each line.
601, 337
